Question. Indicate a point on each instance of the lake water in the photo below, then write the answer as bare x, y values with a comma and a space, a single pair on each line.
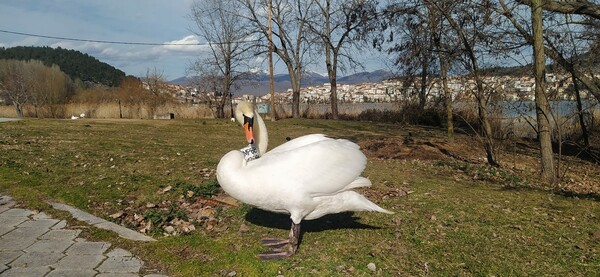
509, 109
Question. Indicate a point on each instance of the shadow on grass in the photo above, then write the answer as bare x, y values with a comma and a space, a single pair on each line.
345, 220
564, 193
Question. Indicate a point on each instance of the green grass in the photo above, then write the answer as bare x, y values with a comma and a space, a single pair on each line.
446, 226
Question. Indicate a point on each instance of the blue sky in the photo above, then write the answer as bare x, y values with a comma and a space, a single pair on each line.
152, 21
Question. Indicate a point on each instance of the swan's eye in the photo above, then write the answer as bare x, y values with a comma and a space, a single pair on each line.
248, 120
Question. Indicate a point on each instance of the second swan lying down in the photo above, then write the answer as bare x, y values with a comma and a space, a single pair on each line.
307, 177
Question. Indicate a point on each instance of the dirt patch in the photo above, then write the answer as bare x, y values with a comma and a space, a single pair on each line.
518, 158
420, 148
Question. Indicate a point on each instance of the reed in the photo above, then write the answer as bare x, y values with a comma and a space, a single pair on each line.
109, 110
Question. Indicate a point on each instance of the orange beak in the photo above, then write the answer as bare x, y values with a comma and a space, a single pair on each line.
249, 133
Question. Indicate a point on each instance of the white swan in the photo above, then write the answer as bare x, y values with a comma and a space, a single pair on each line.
307, 177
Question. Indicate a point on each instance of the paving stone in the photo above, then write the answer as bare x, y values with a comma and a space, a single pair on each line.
25, 233
36, 259
63, 234
41, 215
9, 244
27, 271
120, 265
88, 248
80, 261
119, 252
8, 256
39, 223
12, 221
59, 225
112, 274
5, 229
34, 244
72, 273
50, 246
123, 232
17, 212
5, 199
5, 205
77, 214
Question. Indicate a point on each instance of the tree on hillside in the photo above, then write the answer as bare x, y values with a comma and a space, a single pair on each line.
230, 46
336, 24
290, 42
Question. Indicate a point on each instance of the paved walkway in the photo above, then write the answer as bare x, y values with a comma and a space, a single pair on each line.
34, 244
2, 119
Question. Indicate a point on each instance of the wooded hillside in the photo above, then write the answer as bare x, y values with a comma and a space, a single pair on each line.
74, 63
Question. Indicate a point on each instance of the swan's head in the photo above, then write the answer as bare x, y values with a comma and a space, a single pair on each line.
244, 114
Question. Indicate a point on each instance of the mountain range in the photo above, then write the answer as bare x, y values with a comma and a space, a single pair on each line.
259, 82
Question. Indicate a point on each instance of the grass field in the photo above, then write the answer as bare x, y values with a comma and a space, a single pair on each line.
453, 217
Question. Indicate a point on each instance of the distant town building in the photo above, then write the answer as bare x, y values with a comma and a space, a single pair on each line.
508, 88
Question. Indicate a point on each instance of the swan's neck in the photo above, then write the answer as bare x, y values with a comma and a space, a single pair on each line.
261, 136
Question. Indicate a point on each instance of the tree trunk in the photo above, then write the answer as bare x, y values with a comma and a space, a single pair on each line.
18, 110
447, 95
295, 78
333, 97
584, 131
541, 101
331, 63
448, 99
488, 141
423, 90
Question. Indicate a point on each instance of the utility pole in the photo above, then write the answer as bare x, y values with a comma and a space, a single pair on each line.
271, 84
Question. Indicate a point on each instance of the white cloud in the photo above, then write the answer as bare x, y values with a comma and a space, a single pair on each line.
190, 43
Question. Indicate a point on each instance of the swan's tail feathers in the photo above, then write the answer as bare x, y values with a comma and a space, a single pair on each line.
344, 202
360, 182
372, 207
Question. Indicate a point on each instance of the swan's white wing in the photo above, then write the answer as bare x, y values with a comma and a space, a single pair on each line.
297, 142
323, 167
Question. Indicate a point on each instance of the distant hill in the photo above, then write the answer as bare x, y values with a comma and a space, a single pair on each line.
72, 62
258, 84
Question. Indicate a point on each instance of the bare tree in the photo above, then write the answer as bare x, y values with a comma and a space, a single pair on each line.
418, 35
15, 84
581, 7
541, 98
290, 38
469, 21
548, 46
411, 28
49, 86
550, 50
444, 52
335, 23
228, 36
156, 84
